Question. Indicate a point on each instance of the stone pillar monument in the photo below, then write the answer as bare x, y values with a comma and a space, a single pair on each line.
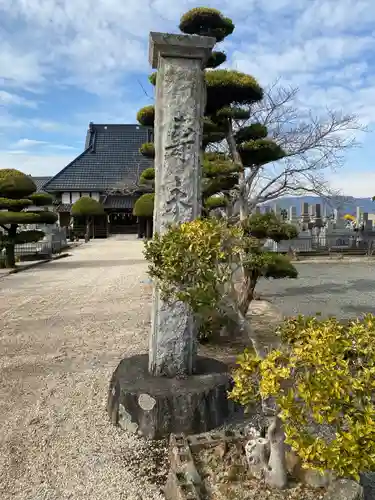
179, 109
172, 390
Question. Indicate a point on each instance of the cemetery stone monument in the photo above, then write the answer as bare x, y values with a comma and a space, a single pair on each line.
172, 390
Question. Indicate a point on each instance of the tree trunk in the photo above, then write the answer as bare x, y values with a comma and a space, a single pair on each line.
246, 294
276, 473
10, 256
141, 230
87, 233
242, 199
149, 228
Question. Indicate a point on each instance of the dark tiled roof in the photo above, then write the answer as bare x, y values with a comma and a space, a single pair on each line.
110, 159
64, 207
40, 182
120, 202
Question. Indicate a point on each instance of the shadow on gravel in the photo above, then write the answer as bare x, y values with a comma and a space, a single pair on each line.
360, 285
66, 264
359, 310
308, 290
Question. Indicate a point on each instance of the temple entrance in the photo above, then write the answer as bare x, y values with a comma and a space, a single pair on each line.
122, 222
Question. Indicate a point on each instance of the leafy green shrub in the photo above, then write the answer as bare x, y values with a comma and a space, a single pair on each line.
87, 207
144, 206
205, 21
146, 116
323, 375
147, 175
196, 262
147, 149
192, 261
17, 192
15, 184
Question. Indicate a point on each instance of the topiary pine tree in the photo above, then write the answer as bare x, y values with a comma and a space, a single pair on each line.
230, 95
144, 210
17, 192
88, 208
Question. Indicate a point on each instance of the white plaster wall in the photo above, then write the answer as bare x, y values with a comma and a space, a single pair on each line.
65, 198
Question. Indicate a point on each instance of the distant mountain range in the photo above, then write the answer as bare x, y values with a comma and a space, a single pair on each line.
345, 204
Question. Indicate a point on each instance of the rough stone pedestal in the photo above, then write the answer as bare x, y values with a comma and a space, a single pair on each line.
155, 407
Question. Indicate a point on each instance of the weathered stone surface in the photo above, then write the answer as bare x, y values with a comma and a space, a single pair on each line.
155, 407
179, 46
309, 477
344, 489
368, 483
180, 102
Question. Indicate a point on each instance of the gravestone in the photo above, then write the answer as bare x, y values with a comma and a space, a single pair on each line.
293, 214
305, 216
172, 390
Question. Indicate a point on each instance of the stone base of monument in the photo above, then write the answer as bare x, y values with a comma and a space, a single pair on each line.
155, 407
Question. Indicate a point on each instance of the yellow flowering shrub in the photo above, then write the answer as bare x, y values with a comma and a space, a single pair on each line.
192, 261
324, 377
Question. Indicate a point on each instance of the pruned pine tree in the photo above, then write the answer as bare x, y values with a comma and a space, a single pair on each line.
18, 192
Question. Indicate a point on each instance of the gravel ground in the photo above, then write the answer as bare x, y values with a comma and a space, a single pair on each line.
64, 328
342, 290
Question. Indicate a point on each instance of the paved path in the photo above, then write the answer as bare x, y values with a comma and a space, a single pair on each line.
342, 290
64, 327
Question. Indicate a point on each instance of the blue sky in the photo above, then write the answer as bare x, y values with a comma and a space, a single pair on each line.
64, 63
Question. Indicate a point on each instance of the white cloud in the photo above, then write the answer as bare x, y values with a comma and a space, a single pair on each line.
324, 47
36, 165
27, 143
359, 186
9, 99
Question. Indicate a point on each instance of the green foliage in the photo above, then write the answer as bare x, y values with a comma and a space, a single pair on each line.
279, 266
225, 87
146, 116
147, 175
219, 174
148, 149
324, 375
41, 217
15, 184
31, 236
41, 199
216, 59
259, 152
263, 226
194, 261
46, 217
87, 207
215, 202
191, 261
152, 78
251, 133
233, 112
9, 204
144, 206
17, 192
205, 21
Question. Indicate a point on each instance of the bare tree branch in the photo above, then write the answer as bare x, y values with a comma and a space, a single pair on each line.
313, 146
